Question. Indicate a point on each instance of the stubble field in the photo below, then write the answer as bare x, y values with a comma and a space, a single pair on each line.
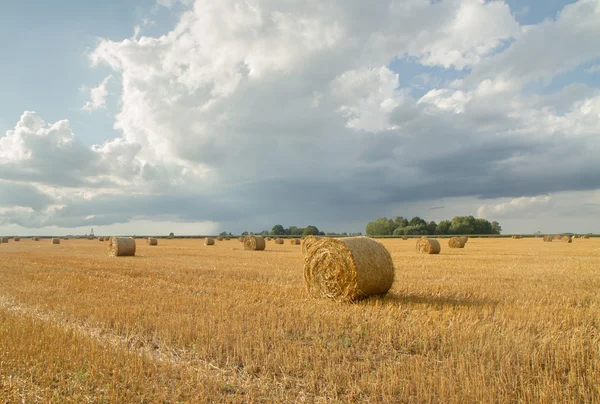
501, 321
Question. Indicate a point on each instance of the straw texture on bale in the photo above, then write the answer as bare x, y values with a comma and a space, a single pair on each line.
548, 238
347, 269
428, 246
295, 241
278, 241
254, 243
121, 246
4, 240
152, 241
456, 242
55, 240
209, 241
17, 238
307, 242
566, 239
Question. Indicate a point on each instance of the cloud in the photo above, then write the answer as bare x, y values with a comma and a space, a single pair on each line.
517, 206
98, 94
251, 113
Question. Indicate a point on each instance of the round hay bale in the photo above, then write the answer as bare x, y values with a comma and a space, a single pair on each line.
307, 242
428, 246
566, 239
254, 243
36, 239
586, 236
220, 239
17, 238
456, 242
404, 237
558, 237
100, 238
269, 239
241, 239
4, 240
55, 240
347, 269
152, 241
227, 238
295, 241
278, 241
464, 239
548, 238
209, 241
121, 246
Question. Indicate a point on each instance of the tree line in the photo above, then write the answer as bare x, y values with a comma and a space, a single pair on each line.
416, 226
279, 230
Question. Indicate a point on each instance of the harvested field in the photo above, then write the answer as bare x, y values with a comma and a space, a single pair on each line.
183, 323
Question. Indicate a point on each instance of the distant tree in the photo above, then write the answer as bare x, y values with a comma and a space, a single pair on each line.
310, 230
496, 228
223, 233
417, 221
443, 227
431, 226
244, 233
278, 230
171, 235
401, 222
381, 227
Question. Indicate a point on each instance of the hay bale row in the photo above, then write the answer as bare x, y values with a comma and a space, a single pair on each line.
254, 243
428, 246
55, 240
152, 241
347, 269
209, 241
456, 242
121, 246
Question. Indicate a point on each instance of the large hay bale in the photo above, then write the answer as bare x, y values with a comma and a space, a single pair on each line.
4, 240
428, 246
566, 239
209, 241
17, 238
152, 241
456, 242
279, 241
347, 269
548, 238
121, 246
254, 243
295, 241
307, 242
55, 240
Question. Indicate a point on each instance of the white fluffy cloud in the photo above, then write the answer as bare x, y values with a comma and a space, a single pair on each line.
98, 96
516, 206
265, 111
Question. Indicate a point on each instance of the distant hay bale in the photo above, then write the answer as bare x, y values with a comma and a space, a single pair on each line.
121, 246
55, 240
586, 236
456, 242
269, 239
152, 241
65, 238
36, 239
575, 236
517, 237
254, 243
219, 238
279, 240
558, 237
4, 240
295, 241
100, 238
227, 238
347, 269
464, 239
307, 242
404, 237
209, 241
241, 239
548, 238
566, 239
17, 238
428, 246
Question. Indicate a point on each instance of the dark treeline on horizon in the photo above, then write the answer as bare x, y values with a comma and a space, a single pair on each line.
417, 226
279, 230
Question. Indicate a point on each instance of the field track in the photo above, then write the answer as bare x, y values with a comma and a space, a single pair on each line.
501, 320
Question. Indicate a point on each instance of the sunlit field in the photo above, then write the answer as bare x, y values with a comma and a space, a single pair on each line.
501, 320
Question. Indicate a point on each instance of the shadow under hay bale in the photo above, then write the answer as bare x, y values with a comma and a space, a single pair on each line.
55, 240
428, 246
121, 246
152, 241
254, 243
456, 242
347, 269
209, 241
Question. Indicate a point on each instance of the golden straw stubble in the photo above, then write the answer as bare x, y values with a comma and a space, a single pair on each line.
121, 246
254, 243
347, 269
428, 246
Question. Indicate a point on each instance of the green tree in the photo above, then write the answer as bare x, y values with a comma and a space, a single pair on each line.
310, 230
278, 230
381, 227
443, 227
431, 226
496, 228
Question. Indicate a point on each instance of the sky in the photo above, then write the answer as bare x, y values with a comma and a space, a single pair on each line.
200, 116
